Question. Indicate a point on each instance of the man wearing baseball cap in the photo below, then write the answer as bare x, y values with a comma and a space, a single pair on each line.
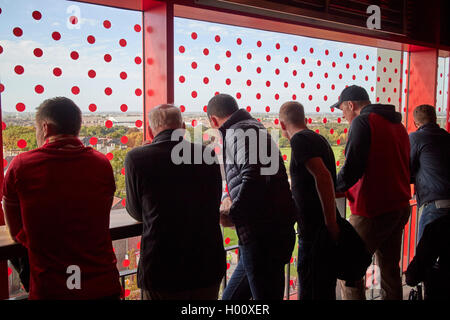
375, 178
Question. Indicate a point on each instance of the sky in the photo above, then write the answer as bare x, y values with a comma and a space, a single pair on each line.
314, 81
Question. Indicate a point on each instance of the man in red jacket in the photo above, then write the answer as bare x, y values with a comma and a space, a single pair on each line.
57, 201
375, 179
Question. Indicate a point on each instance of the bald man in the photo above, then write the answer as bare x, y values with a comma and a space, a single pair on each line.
313, 175
182, 253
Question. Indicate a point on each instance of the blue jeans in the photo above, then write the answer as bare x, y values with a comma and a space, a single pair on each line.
429, 214
259, 273
315, 282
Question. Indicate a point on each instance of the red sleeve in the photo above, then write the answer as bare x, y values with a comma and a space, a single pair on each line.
10, 182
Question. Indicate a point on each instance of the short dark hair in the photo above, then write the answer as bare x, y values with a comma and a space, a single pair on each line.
425, 114
222, 105
63, 113
293, 112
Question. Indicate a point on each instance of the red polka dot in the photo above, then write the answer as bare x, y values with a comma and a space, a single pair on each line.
39, 89
17, 32
56, 36
20, 107
93, 141
258, 70
303, 61
138, 60
331, 131
337, 163
92, 107
294, 72
1, 49
325, 98
317, 109
258, 96
108, 91
124, 202
277, 46
182, 108
126, 263
74, 55
228, 265
2, 87
333, 87
338, 141
107, 24
310, 120
194, 65
205, 108
228, 81
311, 50
249, 56
124, 139
137, 28
21, 143
217, 67
277, 71
91, 39
286, 84
122, 42
249, 109
319, 63
239, 41
108, 124
327, 52
317, 131
123, 75
194, 35
73, 19
182, 79
267, 83
341, 54
92, 73
249, 82
294, 97
138, 123
238, 68
205, 80
286, 59
138, 92
194, 94
18, 69
194, 123
38, 52
107, 57
75, 90
228, 53
36, 15
268, 57
302, 85
276, 121
109, 156
227, 240
238, 95
267, 109
295, 48
311, 74
339, 120
205, 51
123, 108
333, 64
259, 44
217, 38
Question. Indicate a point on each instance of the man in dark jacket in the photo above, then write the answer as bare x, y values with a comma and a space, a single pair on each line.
430, 166
375, 179
177, 199
261, 206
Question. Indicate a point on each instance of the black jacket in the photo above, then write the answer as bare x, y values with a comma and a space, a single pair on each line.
434, 245
182, 245
261, 203
430, 163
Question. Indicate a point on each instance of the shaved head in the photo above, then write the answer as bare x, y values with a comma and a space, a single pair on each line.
424, 114
165, 116
292, 112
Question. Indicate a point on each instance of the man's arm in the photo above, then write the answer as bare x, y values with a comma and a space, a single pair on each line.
10, 202
414, 157
325, 190
133, 204
356, 153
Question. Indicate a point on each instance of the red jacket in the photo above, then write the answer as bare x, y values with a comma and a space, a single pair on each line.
376, 172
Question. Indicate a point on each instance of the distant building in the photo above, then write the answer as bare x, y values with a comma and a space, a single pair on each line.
126, 121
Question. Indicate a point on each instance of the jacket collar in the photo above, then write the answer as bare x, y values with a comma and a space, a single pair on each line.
165, 135
387, 111
63, 141
236, 117
430, 125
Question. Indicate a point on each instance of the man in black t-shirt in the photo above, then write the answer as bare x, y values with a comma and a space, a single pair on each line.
313, 176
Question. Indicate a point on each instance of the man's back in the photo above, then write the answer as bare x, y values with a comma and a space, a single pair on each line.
182, 246
305, 145
430, 158
65, 196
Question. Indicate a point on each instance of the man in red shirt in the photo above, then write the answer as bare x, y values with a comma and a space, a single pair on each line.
57, 200
375, 178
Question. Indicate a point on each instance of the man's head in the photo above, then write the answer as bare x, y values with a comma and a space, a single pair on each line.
57, 116
220, 108
424, 114
292, 118
164, 117
351, 101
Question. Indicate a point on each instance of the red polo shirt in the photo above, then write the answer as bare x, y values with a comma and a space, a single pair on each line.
65, 196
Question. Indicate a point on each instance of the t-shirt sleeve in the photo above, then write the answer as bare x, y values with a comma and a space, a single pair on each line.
10, 182
303, 149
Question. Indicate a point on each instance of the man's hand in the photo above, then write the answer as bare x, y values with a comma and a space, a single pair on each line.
225, 206
333, 230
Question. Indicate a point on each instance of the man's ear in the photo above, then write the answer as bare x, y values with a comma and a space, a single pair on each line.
150, 133
283, 125
214, 121
351, 105
183, 125
48, 129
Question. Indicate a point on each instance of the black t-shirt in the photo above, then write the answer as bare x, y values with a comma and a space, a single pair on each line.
306, 145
